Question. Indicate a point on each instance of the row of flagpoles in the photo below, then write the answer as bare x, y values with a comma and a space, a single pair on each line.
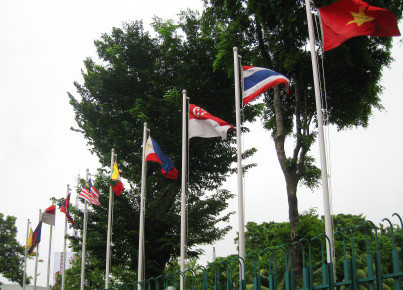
197, 122
34, 237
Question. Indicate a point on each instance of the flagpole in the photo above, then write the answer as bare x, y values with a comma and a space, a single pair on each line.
183, 187
84, 238
326, 203
37, 254
76, 203
241, 226
140, 273
64, 247
50, 250
25, 257
109, 234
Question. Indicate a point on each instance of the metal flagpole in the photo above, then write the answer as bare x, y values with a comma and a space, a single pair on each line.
183, 187
25, 258
64, 247
326, 204
140, 273
241, 226
50, 249
37, 254
109, 234
84, 237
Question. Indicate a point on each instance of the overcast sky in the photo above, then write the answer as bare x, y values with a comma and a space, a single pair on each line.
43, 45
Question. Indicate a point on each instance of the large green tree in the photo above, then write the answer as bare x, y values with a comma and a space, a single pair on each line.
11, 252
274, 34
139, 78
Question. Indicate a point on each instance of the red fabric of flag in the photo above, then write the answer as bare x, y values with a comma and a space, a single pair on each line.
65, 208
348, 18
48, 216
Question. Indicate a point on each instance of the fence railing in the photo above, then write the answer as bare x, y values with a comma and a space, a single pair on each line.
272, 268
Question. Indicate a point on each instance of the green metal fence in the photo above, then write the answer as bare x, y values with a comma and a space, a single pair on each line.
316, 274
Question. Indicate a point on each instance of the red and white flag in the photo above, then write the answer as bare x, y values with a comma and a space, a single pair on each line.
48, 215
203, 124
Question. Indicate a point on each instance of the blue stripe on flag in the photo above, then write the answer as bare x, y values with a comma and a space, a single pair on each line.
258, 77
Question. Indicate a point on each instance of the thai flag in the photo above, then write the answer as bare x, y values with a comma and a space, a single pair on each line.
257, 80
154, 153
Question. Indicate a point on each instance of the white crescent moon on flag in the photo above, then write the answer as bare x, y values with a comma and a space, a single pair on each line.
197, 112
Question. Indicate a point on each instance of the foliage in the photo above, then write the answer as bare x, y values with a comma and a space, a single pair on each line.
11, 252
273, 234
94, 274
140, 79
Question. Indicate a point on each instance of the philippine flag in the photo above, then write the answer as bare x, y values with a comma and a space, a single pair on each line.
257, 80
154, 153
203, 124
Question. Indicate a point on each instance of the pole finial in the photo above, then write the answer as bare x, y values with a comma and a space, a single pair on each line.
235, 48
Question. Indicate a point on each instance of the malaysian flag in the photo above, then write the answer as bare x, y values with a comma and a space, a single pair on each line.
90, 193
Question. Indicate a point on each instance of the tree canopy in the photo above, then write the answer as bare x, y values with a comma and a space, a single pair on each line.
138, 79
11, 252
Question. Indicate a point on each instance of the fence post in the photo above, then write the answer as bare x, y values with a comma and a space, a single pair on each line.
305, 279
216, 276
310, 270
395, 259
272, 274
401, 229
353, 261
256, 270
204, 271
330, 270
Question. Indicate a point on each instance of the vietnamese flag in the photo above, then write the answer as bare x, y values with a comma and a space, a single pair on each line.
348, 18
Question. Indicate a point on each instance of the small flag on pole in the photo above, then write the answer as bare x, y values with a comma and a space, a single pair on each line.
203, 124
29, 242
349, 18
258, 80
65, 208
36, 238
116, 184
48, 216
154, 153
89, 193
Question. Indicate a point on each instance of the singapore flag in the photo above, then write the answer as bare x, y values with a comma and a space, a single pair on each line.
203, 124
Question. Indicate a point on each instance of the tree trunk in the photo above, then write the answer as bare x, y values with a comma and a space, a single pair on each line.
290, 174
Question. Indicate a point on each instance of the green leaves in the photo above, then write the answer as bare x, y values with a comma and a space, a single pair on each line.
140, 79
11, 252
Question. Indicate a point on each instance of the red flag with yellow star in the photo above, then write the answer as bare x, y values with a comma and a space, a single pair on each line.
348, 18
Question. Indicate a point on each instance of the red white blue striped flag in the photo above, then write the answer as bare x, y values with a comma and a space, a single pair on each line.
257, 80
